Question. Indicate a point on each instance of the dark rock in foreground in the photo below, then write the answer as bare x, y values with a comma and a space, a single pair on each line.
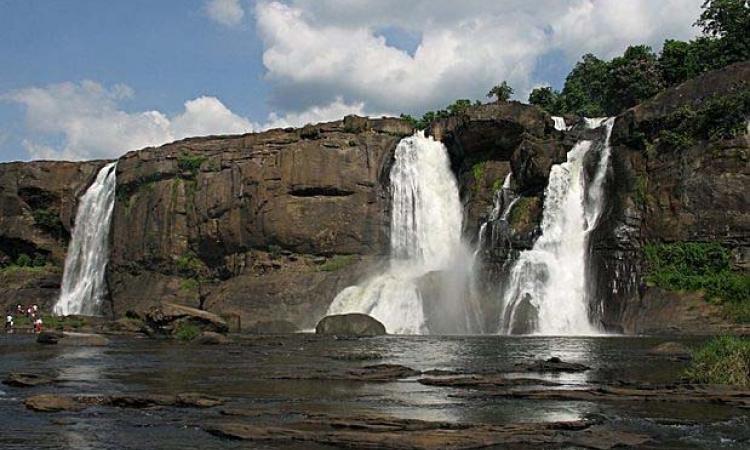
49, 337
56, 403
674, 349
350, 325
211, 338
27, 379
167, 318
553, 364
383, 372
394, 433
74, 339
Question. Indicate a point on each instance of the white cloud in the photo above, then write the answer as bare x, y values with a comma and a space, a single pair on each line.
91, 123
320, 50
225, 12
315, 114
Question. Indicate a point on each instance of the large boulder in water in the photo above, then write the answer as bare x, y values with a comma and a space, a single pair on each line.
353, 324
166, 318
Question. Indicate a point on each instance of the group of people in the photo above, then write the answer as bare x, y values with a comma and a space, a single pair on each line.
31, 312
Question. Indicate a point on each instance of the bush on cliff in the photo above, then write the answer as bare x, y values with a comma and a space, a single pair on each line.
723, 360
700, 266
597, 87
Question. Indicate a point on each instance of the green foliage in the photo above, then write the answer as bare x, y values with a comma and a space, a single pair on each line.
190, 163
585, 87
274, 250
596, 87
48, 221
716, 118
186, 331
497, 185
24, 260
336, 263
728, 21
501, 92
631, 78
696, 266
723, 360
478, 171
190, 285
189, 263
546, 98
641, 190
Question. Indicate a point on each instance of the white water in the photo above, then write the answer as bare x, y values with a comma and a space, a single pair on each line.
426, 222
83, 278
546, 293
559, 123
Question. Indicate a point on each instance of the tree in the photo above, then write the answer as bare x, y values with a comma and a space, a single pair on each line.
459, 106
673, 62
501, 92
546, 98
729, 22
585, 87
632, 78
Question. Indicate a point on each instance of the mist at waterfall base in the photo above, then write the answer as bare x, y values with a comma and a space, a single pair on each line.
83, 287
547, 289
426, 284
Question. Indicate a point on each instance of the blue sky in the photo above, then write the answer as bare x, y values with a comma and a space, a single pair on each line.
88, 78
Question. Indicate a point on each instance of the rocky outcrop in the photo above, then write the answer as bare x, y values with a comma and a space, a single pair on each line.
266, 226
37, 209
350, 325
696, 193
167, 319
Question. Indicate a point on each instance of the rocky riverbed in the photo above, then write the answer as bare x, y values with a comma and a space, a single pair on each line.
306, 391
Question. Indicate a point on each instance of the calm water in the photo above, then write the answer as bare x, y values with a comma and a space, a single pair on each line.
282, 376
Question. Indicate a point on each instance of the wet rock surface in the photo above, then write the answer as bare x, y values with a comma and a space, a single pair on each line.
307, 391
27, 379
553, 364
350, 325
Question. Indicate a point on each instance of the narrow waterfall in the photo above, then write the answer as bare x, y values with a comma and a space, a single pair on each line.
83, 278
426, 254
547, 291
559, 123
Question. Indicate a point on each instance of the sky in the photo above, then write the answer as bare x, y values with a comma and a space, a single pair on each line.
91, 79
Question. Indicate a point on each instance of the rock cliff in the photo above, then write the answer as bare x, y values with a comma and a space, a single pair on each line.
270, 226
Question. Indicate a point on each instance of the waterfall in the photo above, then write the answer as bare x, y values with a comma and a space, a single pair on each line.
559, 123
426, 222
83, 278
547, 290
502, 202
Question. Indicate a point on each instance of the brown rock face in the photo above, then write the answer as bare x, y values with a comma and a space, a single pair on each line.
37, 210
697, 193
266, 226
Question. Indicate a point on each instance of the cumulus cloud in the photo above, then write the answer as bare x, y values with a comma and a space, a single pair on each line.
225, 12
320, 50
91, 123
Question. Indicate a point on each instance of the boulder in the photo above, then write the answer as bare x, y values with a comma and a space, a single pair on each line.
83, 339
49, 337
164, 319
353, 324
553, 364
673, 349
54, 403
26, 379
211, 338
272, 327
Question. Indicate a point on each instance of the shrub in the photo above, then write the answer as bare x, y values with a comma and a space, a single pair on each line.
24, 260
723, 360
501, 92
478, 171
186, 331
190, 163
338, 262
696, 266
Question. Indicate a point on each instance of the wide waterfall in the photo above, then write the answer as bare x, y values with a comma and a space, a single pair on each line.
424, 286
546, 292
83, 278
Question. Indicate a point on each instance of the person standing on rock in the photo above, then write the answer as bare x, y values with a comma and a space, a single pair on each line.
9, 323
38, 325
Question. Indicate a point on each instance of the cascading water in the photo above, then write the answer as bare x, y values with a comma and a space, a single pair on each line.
546, 293
559, 123
83, 278
426, 222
